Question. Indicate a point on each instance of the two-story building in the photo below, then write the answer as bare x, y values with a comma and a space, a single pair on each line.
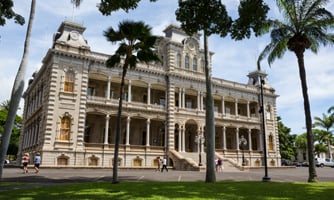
71, 108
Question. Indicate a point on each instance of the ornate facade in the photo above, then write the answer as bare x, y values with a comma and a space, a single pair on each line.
71, 108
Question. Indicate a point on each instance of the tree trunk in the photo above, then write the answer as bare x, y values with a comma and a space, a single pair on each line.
118, 126
329, 148
209, 120
308, 119
17, 91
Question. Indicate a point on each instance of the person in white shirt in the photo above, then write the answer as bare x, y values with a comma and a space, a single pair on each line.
164, 164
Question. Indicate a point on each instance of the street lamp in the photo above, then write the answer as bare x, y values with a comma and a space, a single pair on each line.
243, 143
199, 139
266, 178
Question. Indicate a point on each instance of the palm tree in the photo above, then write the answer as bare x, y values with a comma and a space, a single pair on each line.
326, 122
136, 45
17, 91
320, 138
305, 26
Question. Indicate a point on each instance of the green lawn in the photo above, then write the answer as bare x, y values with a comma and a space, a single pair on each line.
176, 190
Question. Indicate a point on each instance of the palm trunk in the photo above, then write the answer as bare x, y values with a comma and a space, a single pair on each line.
308, 119
209, 120
118, 126
329, 148
17, 91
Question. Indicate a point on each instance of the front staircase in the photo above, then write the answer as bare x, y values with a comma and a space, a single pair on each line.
189, 161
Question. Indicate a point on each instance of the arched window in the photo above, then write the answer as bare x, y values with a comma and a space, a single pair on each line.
186, 62
65, 128
178, 60
271, 143
69, 81
195, 64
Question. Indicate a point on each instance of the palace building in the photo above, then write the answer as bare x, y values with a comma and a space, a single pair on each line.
71, 108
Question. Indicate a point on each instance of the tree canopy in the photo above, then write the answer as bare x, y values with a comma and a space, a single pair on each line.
7, 13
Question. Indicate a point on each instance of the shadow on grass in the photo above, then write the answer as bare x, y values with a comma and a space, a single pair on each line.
177, 190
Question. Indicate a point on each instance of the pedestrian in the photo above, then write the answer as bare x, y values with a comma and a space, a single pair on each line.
164, 164
159, 164
216, 164
220, 165
37, 162
25, 161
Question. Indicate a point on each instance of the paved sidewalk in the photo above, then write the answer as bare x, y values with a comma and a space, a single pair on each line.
52, 176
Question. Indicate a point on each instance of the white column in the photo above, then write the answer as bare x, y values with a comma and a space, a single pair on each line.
108, 87
180, 140
248, 113
129, 92
224, 136
202, 144
106, 131
237, 135
127, 137
201, 100
148, 122
250, 139
183, 139
149, 94
183, 97
198, 100
261, 139
236, 107
180, 98
223, 106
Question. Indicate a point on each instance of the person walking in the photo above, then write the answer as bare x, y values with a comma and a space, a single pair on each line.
220, 165
25, 161
159, 164
164, 164
37, 162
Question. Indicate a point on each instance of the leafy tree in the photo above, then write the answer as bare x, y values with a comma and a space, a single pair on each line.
7, 12
305, 26
211, 17
326, 123
136, 45
14, 140
301, 143
252, 17
106, 7
286, 141
17, 91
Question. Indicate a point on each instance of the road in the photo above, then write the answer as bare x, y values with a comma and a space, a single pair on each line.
67, 175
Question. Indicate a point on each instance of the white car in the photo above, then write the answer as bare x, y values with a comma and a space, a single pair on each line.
322, 162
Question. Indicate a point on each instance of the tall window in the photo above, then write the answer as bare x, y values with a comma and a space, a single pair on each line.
69, 81
195, 64
271, 143
202, 65
186, 62
65, 128
268, 112
178, 60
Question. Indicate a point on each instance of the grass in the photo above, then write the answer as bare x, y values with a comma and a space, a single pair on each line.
176, 190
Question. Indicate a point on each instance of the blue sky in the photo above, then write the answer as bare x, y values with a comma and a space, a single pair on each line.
232, 60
